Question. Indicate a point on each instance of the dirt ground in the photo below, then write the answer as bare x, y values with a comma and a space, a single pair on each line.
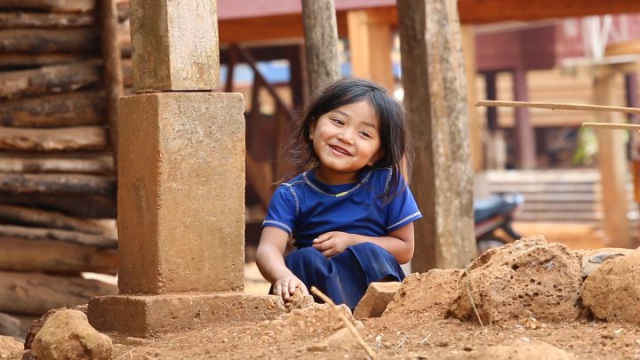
412, 330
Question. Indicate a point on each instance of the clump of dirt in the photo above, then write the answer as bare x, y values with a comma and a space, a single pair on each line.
527, 279
311, 320
612, 291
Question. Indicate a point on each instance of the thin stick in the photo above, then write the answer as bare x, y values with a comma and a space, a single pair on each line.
473, 303
612, 126
346, 322
557, 106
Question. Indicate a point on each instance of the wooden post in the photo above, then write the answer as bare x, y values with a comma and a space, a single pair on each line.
612, 161
491, 90
370, 46
475, 126
436, 102
525, 135
112, 69
321, 42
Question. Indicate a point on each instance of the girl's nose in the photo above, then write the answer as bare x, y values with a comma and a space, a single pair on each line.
347, 136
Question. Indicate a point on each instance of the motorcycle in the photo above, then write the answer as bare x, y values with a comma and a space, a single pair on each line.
493, 213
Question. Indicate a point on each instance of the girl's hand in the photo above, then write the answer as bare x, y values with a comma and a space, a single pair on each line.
286, 286
332, 243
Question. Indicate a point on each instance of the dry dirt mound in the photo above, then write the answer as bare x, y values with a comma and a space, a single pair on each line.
520, 349
527, 279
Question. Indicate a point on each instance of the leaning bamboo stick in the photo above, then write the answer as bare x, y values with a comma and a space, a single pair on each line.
557, 106
611, 126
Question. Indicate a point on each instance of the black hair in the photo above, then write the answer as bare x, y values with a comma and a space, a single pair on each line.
394, 136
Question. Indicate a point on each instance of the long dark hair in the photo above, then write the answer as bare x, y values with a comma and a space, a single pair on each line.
394, 137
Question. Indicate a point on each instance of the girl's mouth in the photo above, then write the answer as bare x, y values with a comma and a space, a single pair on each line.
340, 150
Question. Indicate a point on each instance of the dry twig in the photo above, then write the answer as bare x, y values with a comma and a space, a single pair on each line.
346, 322
557, 106
473, 303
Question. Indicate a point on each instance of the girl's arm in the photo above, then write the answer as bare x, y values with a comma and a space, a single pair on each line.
399, 242
270, 261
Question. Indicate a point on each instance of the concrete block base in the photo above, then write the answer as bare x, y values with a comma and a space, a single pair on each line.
375, 299
146, 315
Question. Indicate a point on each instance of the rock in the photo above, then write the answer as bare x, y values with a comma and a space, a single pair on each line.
376, 299
66, 334
10, 347
595, 258
341, 339
612, 291
298, 301
37, 324
429, 292
528, 278
520, 349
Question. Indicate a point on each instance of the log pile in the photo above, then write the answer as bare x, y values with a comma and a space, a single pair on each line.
57, 176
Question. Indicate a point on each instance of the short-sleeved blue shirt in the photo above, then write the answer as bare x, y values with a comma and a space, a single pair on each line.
308, 208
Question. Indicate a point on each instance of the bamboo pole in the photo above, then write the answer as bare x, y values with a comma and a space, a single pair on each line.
611, 126
557, 106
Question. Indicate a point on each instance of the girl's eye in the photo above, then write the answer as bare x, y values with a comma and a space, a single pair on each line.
338, 121
365, 134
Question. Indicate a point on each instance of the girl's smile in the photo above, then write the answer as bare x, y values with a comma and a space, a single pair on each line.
346, 140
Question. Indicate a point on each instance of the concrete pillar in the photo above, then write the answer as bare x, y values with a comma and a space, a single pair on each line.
181, 182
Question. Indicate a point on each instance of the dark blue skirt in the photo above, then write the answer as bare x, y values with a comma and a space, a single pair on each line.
346, 276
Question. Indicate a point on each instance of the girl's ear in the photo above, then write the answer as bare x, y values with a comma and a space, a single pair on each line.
376, 157
312, 128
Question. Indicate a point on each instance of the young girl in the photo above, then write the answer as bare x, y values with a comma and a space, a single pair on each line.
350, 214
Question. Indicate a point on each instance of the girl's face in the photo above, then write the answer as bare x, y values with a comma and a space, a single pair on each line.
346, 139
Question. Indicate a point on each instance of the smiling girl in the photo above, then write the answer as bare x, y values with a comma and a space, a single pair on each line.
348, 210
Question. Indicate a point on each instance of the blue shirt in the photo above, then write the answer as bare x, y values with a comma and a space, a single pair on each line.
308, 208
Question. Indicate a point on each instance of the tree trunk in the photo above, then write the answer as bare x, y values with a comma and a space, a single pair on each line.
83, 163
72, 184
84, 207
67, 139
435, 98
40, 41
321, 42
49, 79
63, 110
56, 6
35, 293
48, 219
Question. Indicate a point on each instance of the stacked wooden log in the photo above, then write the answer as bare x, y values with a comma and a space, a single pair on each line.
57, 178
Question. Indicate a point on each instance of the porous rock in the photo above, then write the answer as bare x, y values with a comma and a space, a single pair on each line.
427, 293
528, 278
9, 346
376, 299
67, 334
612, 291
593, 259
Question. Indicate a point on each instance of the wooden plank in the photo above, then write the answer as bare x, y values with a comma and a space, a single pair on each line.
40, 41
72, 184
67, 139
35, 293
21, 20
61, 110
84, 207
80, 163
64, 236
321, 43
370, 47
49, 79
55, 257
61, 6
612, 162
25, 61
17, 215
476, 127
